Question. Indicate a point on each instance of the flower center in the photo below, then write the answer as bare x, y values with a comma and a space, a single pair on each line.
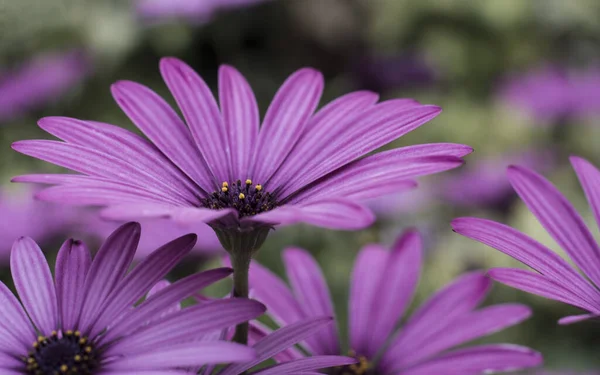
361, 368
70, 354
246, 198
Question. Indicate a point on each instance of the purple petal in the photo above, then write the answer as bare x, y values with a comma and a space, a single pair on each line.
537, 284
34, 284
453, 301
157, 288
469, 327
131, 211
164, 300
589, 177
94, 163
182, 215
15, 322
201, 113
328, 121
100, 193
72, 264
124, 145
359, 180
196, 353
398, 282
284, 122
479, 360
373, 129
271, 290
146, 274
311, 291
332, 213
106, 271
188, 324
525, 250
278, 341
259, 331
159, 122
559, 218
364, 287
240, 117
307, 364
576, 318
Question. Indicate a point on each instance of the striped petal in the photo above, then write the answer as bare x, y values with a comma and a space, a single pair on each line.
106, 271
34, 284
537, 284
146, 274
312, 293
72, 264
479, 360
201, 113
284, 122
241, 119
159, 122
278, 341
559, 218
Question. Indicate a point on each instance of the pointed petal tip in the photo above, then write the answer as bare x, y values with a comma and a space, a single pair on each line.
293, 250
459, 224
168, 60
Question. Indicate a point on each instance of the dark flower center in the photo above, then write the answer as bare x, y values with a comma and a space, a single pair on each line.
363, 367
246, 198
70, 354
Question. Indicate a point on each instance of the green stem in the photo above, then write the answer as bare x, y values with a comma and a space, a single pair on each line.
240, 262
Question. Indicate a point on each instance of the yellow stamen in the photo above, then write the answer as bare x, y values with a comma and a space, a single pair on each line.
224, 189
225, 184
248, 182
258, 187
242, 196
64, 368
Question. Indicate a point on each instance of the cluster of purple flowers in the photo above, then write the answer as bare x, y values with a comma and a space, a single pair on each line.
222, 166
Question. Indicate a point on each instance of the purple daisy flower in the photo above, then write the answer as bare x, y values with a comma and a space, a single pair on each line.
225, 169
553, 278
220, 169
40, 81
383, 283
86, 320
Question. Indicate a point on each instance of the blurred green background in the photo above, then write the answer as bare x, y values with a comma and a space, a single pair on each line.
458, 54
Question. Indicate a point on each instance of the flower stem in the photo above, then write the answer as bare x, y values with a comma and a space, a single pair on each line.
240, 261
241, 246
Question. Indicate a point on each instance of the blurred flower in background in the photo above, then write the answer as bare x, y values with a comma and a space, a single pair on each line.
483, 183
382, 73
40, 81
195, 11
382, 286
553, 95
